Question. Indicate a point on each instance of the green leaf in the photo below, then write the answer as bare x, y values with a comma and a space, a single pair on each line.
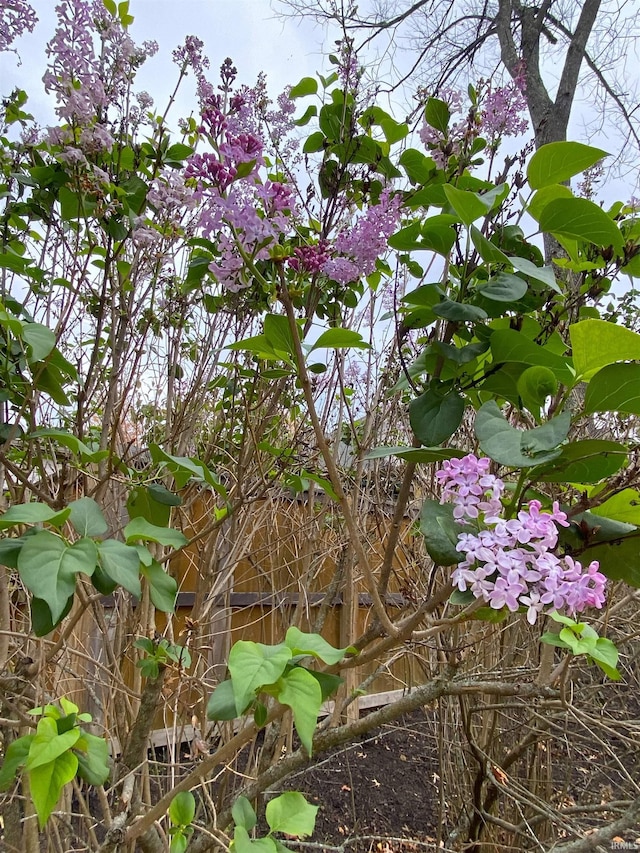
222, 703
558, 161
623, 506
182, 809
542, 198
393, 130
292, 814
468, 205
260, 714
66, 439
596, 344
243, 814
503, 287
178, 151
440, 531
509, 345
92, 753
47, 781
417, 454
141, 529
49, 380
606, 655
619, 560
462, 599
48, 568
301, 643
459, 312
10, 551
340, 339
418, 167
306, 86
179, 841
588, 461
435, 417
40, 339
314, 142
438, 234
41, 619
162, 587
243, 844
102, 582
254, 665
47, 744
581, 219
87, 518
121, 564
328, 682
16, 754
543, 275
184, 468
407, 238
308, 114
301, 692
534, 385
489, 252
160, 494
32, 513
615, 388
140, 503
519, 448
437, 114
278, 333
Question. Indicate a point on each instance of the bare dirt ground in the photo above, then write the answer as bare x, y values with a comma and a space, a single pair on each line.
378, 793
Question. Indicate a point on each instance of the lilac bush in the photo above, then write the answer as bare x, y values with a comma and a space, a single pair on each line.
509, 562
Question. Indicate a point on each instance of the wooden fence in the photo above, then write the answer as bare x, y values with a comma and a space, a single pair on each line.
277, 562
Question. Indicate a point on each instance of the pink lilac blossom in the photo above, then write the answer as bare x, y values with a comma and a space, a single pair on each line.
16, 17
143, 234
243, 148
230, 272
349, 71
366, 241
503, 110
96, 138
72, 73
473, 490
442, 146
190, 55
87, 82
510, 562
168, 193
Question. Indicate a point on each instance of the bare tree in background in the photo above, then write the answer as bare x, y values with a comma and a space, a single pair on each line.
564, 48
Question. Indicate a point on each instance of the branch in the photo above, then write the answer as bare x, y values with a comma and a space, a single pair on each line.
332, 470
629, 820
575, 53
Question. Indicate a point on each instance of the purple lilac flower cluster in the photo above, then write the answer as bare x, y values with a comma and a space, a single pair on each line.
503, 111
349, 72
510, 562
310, 259
88, 82
16, 17
444, 145
365, 241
